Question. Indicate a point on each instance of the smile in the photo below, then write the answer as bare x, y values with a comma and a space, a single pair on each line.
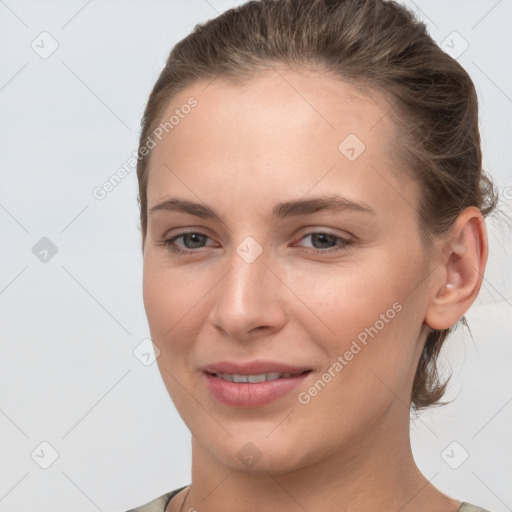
250, 391
260, 377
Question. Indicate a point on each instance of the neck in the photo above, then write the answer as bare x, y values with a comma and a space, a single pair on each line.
356, 477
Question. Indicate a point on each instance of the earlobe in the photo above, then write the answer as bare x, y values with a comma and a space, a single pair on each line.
463, 261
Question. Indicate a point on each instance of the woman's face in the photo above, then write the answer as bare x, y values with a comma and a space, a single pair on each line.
299, 249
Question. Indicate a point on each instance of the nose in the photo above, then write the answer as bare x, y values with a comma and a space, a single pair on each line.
249, 299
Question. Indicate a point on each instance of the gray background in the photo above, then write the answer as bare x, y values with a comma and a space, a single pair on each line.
71, 321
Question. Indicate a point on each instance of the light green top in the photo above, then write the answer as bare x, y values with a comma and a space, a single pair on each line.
160, 504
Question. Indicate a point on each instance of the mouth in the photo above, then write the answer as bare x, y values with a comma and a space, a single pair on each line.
250, 389
259, 377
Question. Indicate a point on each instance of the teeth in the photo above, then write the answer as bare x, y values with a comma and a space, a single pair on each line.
257, 378
261, 377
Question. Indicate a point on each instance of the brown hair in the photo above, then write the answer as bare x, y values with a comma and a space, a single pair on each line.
371, 43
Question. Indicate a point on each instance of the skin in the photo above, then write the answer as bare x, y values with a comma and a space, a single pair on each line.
240, 151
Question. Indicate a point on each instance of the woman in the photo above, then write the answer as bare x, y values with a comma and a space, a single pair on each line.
312, 213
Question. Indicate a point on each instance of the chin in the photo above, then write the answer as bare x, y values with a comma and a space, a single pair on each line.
261, 454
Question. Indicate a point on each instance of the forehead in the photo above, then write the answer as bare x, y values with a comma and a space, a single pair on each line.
278, 126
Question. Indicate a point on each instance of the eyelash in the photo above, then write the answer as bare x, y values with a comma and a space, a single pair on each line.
169, 244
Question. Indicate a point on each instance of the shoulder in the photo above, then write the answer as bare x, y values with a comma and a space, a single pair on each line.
468, 507
159, 504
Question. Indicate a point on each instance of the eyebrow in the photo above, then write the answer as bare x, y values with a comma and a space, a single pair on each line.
281, 210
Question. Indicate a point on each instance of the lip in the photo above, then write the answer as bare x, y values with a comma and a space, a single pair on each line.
252, 394
253, 367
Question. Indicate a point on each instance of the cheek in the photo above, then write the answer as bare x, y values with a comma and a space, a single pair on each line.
176, 307
159, 301
370, 358
167, 300
369, 314
344, 301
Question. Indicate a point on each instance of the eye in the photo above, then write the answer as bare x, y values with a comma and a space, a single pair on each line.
191, 240
325, 242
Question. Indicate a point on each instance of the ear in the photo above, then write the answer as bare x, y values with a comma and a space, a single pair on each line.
464, 255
